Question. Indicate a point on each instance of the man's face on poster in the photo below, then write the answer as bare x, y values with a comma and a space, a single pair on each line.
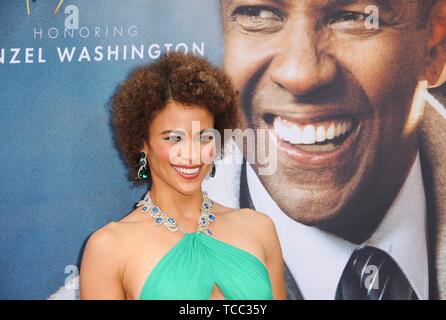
337, 94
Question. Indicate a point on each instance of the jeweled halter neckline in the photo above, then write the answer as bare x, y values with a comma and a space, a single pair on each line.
160, 218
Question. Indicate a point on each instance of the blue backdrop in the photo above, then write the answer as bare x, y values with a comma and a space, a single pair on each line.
61, 176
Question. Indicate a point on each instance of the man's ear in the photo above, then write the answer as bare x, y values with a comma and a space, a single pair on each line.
435, 72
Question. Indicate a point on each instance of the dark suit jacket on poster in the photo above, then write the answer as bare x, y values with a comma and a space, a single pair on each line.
433, 161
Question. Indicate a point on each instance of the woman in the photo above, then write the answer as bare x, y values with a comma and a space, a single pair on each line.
178, 243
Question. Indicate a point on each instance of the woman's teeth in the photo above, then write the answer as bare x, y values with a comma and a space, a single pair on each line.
320, 137
187, 171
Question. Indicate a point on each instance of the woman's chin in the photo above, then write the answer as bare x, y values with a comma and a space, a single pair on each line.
188, 188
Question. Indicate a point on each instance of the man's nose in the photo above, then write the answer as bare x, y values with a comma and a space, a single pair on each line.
302, 64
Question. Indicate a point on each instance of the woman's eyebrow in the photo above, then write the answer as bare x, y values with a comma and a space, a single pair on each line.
207, 129
180, 132
204, 131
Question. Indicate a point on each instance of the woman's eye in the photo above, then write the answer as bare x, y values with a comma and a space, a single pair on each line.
206, 138
258, 18
174, 139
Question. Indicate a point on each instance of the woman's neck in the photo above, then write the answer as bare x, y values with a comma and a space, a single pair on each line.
175, 203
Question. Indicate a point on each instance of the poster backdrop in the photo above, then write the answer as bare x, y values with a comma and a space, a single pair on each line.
61, 176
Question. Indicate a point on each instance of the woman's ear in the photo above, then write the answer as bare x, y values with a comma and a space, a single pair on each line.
435, 72
145, 150
146, 146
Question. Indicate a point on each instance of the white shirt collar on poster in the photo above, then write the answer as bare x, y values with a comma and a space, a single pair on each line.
317, 259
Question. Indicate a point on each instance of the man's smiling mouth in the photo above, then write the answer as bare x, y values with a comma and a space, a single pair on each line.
324, 136
321, 140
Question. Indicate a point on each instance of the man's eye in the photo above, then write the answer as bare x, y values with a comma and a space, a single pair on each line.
355, 22
258, 18
349, 17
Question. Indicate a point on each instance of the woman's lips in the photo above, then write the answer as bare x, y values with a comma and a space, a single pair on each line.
316, 143
187, 172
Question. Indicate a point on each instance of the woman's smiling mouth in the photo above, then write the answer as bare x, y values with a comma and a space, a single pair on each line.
187, 172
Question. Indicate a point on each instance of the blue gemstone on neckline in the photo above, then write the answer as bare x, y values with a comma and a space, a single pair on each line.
160, 217
158, 220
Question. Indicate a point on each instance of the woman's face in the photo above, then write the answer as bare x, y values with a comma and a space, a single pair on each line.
181, 147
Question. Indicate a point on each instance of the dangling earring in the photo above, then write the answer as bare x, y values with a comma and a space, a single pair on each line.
143, 173
213, 170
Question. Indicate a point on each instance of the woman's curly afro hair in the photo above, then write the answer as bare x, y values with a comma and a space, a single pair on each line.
182, 78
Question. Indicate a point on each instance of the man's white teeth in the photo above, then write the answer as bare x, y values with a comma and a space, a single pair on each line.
311, 133
191, 171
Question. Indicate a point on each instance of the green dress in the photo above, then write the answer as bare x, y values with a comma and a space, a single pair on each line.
191, 268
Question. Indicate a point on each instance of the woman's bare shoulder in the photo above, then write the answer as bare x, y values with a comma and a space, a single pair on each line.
103, 239
101, 267
115, 234
100, 255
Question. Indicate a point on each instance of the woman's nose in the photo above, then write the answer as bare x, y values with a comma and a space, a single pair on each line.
189, 152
